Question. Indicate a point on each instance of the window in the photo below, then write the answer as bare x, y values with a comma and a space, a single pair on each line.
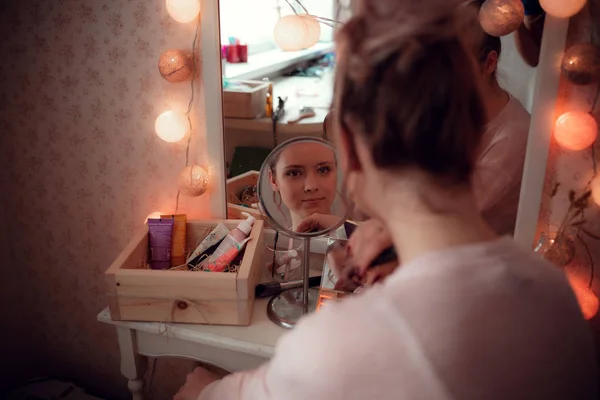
252, 21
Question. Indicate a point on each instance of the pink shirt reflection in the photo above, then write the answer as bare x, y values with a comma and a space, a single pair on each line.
497, 180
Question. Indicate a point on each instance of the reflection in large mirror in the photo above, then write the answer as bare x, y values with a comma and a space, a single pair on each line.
271, 96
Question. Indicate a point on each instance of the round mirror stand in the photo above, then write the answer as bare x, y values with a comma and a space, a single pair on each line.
289, 306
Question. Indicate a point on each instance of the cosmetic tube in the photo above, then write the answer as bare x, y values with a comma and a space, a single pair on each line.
213, 239
160, 232
177, 239
219, 264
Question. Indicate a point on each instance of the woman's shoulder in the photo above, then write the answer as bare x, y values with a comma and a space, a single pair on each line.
493, 263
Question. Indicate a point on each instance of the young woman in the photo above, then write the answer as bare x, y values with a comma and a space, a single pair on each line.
468, 316
304, 181
500, 157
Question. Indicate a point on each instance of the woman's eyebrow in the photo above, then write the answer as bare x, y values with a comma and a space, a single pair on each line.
294, 166
322, 163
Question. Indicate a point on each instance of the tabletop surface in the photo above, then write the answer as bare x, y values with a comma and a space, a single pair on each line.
259, 338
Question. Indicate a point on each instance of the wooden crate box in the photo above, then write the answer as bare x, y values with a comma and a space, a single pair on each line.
136, 293
249, 103
236, 185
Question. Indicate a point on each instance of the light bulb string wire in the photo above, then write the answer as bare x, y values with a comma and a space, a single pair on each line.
190, 105
322, 20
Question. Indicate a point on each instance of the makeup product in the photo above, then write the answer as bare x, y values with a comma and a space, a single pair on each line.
231, 245
242, 53
221, 263
213, 239
274, 288
269, 99
177, 239
160, 232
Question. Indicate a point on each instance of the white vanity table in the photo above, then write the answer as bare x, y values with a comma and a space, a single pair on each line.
233, 348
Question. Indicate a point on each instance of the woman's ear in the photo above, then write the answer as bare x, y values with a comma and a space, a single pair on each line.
491, 63
273, 181
347, 149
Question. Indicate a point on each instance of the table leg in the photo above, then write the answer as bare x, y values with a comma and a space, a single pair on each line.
133, 365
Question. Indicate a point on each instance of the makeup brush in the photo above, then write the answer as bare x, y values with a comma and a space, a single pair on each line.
274, 288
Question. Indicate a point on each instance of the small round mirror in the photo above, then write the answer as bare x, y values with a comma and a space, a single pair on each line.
299, 188
299, 194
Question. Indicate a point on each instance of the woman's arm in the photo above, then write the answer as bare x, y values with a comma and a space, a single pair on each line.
529, 35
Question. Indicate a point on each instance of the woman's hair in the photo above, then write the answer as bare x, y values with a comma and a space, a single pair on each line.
405, 85
488, 42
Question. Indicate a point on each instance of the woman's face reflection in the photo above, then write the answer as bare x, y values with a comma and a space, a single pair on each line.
305, 176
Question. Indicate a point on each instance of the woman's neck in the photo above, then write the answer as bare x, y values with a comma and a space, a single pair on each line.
427, 227
495, 99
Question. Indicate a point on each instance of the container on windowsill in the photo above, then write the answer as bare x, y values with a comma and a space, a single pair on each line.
136, 293
244, 99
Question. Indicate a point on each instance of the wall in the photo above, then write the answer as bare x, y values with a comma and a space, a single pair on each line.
83, 168
514, 75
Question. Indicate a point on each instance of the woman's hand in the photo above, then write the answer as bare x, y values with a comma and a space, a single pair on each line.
317, 222
367, 242
195, 383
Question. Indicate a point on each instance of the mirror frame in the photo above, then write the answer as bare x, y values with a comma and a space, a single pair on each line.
540, 133
543, 115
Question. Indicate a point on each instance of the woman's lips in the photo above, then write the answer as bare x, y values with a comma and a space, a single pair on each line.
313, 201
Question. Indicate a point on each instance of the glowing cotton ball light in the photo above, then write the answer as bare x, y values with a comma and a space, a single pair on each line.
292, 33
581, 64
175, 66
575, 130
588, 301
171, 126
314, 31
154, 215
193, 181
183, 11
595, 186
501, 17
562, 8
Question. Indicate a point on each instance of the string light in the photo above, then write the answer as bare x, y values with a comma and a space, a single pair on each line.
581, 64
562, 8
501, 17
291, 33
575, 130
193, 181
588, 301
171, 126
154, 215
595, 187
314, 31
299, 31
175, 66
183, 11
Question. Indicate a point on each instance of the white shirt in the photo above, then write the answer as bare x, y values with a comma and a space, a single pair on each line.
482, 322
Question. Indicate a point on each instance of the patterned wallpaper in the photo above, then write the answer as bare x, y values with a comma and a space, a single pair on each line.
81, 168
573, 170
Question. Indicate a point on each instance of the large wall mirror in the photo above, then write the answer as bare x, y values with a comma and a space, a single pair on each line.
271, 96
